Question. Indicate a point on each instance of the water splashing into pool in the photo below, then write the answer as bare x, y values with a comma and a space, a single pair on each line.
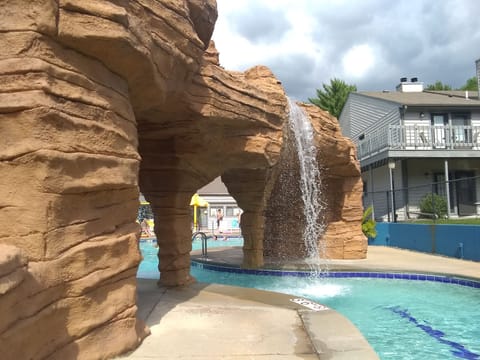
310, 183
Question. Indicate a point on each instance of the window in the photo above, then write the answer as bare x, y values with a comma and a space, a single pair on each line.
439, 136
461, 131
439, 186
232, 211
214, 209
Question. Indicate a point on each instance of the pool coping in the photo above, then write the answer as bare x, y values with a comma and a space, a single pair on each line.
394, 275
379, 259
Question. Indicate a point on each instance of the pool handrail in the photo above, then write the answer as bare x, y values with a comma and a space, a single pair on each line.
204, 242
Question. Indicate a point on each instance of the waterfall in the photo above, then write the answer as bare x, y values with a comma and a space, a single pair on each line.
310, 183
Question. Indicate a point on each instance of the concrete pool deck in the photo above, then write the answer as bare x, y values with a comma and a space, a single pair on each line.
207, 321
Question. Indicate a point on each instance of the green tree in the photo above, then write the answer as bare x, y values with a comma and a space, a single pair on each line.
471, 84
333, 96
438, 86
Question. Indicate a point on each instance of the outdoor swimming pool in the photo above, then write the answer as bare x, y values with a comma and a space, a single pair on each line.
402, 319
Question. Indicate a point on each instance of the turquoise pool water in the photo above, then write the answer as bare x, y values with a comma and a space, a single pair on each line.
402, 319
148, 268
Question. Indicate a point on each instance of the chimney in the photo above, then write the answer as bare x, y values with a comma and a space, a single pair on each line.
411, 86
477, 65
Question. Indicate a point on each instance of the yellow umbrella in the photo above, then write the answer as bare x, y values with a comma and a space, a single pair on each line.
197, 201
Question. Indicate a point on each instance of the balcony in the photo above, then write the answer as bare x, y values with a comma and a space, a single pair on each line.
408, 138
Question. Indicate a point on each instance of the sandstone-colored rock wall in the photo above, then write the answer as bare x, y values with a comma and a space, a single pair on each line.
231, 124
341, 192
69, 194
342, 188
98, 100
77, 77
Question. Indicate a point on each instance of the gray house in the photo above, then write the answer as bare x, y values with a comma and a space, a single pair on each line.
411, 142
218, 197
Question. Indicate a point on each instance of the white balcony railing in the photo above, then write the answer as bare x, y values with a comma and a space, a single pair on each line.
415, 137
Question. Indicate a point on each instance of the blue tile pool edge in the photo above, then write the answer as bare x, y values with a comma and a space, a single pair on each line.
449, 279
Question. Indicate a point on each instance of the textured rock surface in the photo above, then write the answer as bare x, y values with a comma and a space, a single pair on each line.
231, 125
101, 98
341, 193
77, 77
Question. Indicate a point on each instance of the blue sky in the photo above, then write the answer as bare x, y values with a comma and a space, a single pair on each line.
369, 43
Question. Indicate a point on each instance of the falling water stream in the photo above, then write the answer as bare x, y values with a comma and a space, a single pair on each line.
310, 183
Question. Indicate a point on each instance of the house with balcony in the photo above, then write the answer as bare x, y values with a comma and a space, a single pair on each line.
411, 142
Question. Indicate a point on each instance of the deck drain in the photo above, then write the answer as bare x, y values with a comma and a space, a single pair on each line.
309, 304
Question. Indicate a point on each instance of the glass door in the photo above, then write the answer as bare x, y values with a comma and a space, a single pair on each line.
461, 130
439, 125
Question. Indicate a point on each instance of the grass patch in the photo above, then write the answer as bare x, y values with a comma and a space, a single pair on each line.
461, 221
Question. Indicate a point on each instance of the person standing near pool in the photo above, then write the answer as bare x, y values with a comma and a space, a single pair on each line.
145, 228
219, 221
219, 218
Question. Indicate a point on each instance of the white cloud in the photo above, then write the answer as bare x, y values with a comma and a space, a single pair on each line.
369, 43
358, 61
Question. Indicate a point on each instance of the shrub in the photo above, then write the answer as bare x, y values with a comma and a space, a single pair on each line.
433, 204
368, 223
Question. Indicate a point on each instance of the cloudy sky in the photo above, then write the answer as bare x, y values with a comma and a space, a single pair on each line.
369, 43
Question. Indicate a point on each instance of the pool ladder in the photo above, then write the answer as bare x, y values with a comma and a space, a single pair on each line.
204, 242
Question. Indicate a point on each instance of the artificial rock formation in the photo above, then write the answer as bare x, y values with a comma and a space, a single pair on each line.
100, 100
341, 192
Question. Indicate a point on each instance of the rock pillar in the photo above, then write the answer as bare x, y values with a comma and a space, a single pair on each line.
250, 188
173, 224
69, 194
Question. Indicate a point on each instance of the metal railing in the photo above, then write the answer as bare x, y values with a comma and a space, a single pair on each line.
420, 137
407, 201
204, 238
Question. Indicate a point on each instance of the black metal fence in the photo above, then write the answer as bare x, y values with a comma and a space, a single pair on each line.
454, 198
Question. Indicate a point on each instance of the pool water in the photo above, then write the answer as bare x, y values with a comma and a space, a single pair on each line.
401, 319
148, 268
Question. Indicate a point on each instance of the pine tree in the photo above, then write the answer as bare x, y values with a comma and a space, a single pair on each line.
333, 96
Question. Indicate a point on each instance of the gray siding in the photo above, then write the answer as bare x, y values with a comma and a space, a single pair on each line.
344, 119
364, 114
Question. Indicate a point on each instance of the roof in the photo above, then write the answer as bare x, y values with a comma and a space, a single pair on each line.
216, 187
427, 98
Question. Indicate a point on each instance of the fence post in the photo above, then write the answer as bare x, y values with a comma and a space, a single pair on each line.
394, 205
433, 203
388, 205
